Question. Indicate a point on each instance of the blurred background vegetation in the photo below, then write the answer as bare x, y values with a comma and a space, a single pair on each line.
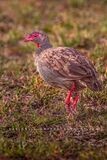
33, 120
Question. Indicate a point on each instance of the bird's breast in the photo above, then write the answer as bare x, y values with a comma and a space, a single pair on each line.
44, 72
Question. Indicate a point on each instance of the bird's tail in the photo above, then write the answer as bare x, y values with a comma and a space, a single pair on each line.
95, 85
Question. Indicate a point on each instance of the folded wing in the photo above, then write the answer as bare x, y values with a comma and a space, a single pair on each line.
69, 63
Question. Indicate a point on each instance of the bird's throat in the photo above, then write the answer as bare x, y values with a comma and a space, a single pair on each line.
41, 48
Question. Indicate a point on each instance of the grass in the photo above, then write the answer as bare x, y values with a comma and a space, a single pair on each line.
33, 120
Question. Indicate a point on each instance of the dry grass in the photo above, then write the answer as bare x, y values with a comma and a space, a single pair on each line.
33, 121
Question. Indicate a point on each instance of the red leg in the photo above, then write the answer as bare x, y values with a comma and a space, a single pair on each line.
69, 99
75, 102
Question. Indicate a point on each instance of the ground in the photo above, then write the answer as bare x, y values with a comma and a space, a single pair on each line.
33, 121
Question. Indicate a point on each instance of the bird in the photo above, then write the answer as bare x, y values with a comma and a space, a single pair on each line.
64, 67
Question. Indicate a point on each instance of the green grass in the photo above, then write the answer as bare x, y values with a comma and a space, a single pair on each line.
33, 120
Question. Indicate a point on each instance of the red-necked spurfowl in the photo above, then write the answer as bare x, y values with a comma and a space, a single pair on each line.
64, 67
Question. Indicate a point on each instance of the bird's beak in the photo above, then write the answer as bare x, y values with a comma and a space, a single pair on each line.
28, 38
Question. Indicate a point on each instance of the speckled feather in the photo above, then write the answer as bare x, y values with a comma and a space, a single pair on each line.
62, 65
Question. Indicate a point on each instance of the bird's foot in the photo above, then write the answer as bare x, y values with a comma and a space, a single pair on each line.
71, 107
70, 111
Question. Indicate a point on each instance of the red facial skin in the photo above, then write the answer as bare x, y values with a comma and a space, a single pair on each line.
31, 37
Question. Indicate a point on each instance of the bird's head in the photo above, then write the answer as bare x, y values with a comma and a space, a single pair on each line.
38, 37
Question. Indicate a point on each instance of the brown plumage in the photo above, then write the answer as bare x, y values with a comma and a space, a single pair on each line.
64, 67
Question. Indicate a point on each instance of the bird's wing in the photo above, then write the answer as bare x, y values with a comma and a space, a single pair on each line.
68, 63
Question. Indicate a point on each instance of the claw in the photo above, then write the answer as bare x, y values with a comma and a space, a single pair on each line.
71, 107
